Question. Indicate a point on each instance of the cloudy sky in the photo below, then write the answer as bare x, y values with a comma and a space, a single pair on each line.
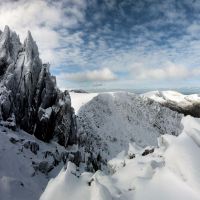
113, 44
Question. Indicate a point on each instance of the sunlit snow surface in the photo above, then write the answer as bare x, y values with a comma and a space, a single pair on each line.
80, 99
112, 120
171, 172
174, 97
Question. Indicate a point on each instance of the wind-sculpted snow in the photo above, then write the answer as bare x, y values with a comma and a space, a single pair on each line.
168, 172
108, 122
29, 95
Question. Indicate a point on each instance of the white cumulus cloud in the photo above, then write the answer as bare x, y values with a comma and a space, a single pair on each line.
45, 20
104, 74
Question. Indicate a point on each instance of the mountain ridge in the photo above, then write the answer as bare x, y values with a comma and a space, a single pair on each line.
31, 97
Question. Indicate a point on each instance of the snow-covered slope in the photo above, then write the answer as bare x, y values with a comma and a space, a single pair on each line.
168, 172
80, 99
186, 104
108, 122
27, 164
121, 128
163, 96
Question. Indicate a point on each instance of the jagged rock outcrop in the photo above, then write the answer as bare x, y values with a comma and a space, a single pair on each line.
29, 95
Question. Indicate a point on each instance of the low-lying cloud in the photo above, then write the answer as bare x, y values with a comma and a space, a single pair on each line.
104, 74
171, 71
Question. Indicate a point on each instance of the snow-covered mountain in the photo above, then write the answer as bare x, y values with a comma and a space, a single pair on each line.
165, 170
108, 122
31, 101
168, 172
29, 96
186, 104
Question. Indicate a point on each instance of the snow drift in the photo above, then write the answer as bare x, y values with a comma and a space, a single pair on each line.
171, 171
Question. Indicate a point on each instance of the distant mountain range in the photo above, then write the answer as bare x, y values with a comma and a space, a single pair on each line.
183, 90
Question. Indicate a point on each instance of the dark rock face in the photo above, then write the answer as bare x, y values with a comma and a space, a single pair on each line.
147, 151
33, 146
43, 167
78, 91
29, 95
65, 121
